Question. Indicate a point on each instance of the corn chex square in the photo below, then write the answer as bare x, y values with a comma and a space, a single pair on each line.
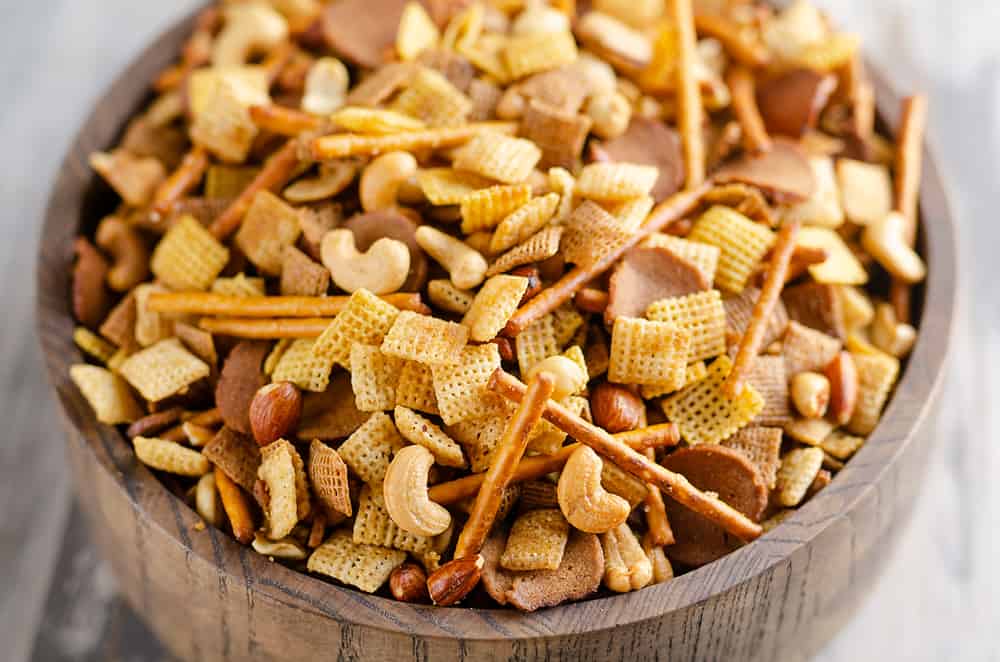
375, 121
424, 338
301, 365
431, 98
224, 126
240, 285
447, 186
373, 526
481, 436
798, 470
742, 244
620, 482
365, 566
877, 374
703, 256
536, 541
107, 393
610, 182
702, 314
536, 343
268, 227
498, 156
370, 449
460, 387
416, 388
418, 430
483, 209
540, 246
365, 319
170, 456
188, 257
524, 222
645, 352
591, 233
494, 304
762, 446
532, 53
374, 376
163, 369
694, 372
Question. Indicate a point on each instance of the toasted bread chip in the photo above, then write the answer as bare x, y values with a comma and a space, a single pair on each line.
818, 306
268, 227
742, 243
810, 431
628, 487
532, 53
364, 566
539, 341
239, 381
426, 339
381, 84
703, 256
418, 430
702, 314
236, 455
558, 133
495, 302
415, 388
445, 186
841, 445
239, 285
739, 311
877, 374
823, 208
374, 376
767, 376
96, 346
841, 266
524, 222
107, 394
762, 446
277, 470
170, 456
444, 295
223, 125
431, 98
301, 365
498, 156
645, 352
646, 275
798, 470
460, 387
540, 246
369, 450
133, 177
301, 276
610, 182
373, 526
484, 208
332, 414
807, 349
536, 542
188, 257
328, 475
375, 121
366, 319
592, 233
162, 370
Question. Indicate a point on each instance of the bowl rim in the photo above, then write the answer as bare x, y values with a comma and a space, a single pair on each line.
913, 398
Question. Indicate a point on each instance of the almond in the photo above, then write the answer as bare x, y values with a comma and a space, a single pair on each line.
843, 376
615, 408
408, 583
275, 412
454, 580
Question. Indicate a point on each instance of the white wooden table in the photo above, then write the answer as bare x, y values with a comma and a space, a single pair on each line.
934, 602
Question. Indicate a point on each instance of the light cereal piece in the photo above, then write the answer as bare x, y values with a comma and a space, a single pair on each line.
762, 446
239, 285
625, 485
199, 342
807, 349
301, 276
301, 365
704, 414
416, 33
823, 208
841, 266
375, 121
559, 134
418, 430
170, 456
365, 319
546, 438
424, 338
415, 388
566, 321
739, 311
591, 233
268, 227
830, 54
841, 445
798, 470
609, 182
381, 84
481, 436
444, 295
866, 189
742, 243
877, 374
522, 223
162, 370
695, 372
495, 302
373, 526
188, 257
107, 394
277, 470
536, 541
632, 212
537, 342
94, 345
527, 54
703, 256
645, 352
328, 476
537, 495
446, 186
341, 145
767, 376
224, 127
810, 431
497, 156
485, 208
460, 387
702, 314
374, 376
370, 449
364, 566
431, 98
539, 247
487, 56
134, 178
279, 349
150, 327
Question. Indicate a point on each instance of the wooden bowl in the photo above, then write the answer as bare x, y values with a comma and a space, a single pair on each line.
207, 597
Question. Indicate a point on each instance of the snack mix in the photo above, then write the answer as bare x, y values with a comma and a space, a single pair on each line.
502, 303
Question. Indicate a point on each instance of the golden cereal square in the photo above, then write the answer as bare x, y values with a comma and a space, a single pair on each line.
631, 213
535, 343
446, 186
162, 370
539, 247
277, 470
741, 242
807, 349
611, 182
536, 541
646, 352
591, 233
767, 375
461, 387
240, 285
524, 222
497, 156
481, 436
170, 456
424, 338
703, 256
810, 431
703, 412
444, 295
484, 208
374, 376
268, 227
694, 372
877, 374
532, 53
373, 526
841, 266
188, 257
375, 121
370, 449
559, 134
416, 388
762, 446
841, 445
702, 314
622, 483
365, 319
494, 304
301, 365
418, 430
798, 470
224, 127
107, 394
365, 566
431, 98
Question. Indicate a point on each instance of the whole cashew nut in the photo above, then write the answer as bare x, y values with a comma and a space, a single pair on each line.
326, 86
206, 500
382, 269
585, 504
405, 491
249, 29
467, 267
128, 250
381, 179
626, 566
885, 241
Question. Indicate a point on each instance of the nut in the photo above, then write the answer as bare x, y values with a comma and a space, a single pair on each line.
610, 112
615, 408
569, 377
454, 580
408, 583
129, 252
405, 490
626, 566
275, 411
584, 502
466, 266
382, 178
326, 86
538, 19
286, 548
249, 29
889, 335
382, 269
811, 394
206, 500
885, 241
843, 377
597, 74
662, 570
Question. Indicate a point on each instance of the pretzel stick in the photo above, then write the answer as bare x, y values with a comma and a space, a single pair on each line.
668, 211
237, 507
656, 512
803, 257
909, 163
531, 468
207, 303
339, 145
675, 485
265, 329
861, 95
753, 336
591, 300
745, 51
743, 88
283, 121
504, 463
690, 112
181, 181
275, 174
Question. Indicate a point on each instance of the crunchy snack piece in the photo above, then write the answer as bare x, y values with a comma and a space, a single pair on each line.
370, 448
762, 446
767, 375
96, 346
374, 376
364, 566
268, 227
782, 173
618, 482
841, 266
649, 142
277, 470
807, 349
170, 456
817, 305
523, 222
558, 133
536, 343
188, 257
365, 319
702, 314
223, 125
547, 439
336, 146
375, 121
418, 430
460, 387
134, 178
810, 431
480, 436
877, 374
742, 243
107, 394
823, 208
239, 381
841, 445
431, 98
332, 414
798, 470
739, 310
539, 247
332, 178
592, 234
866, 190
445, 186
646, 275
497, 156
301, 365
300, 276
609, 182
703, 256
238, 286
646, 352
235, 454
528, 54
444, 295
536, 541
493, 305
328, 476
426, 339
484, 208
632, 212
119, 325
162, 370
374, 526
415, 388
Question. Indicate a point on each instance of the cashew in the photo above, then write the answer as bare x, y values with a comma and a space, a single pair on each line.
585, 504
598, 75
466, 266
626, 566
662, 570
811, 394
885, 241
130, 253
405, 490
382, 178
326, 86
249, 29
382, 269
890, 335
286, 548
569, 376
540, 19
206, 500
610, 112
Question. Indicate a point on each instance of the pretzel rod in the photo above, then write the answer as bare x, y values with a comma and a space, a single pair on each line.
743, 89
690, 112
339, 145
909, 161
236, 505
531, 468
265, 329
675, 485
504, 463
656, 513
181, 181
591, 300
208, 418
668, 211
770, 291
731, 36
207, 303
283, 121
275, 174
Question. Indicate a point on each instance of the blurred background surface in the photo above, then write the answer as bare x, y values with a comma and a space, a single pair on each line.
936, 600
